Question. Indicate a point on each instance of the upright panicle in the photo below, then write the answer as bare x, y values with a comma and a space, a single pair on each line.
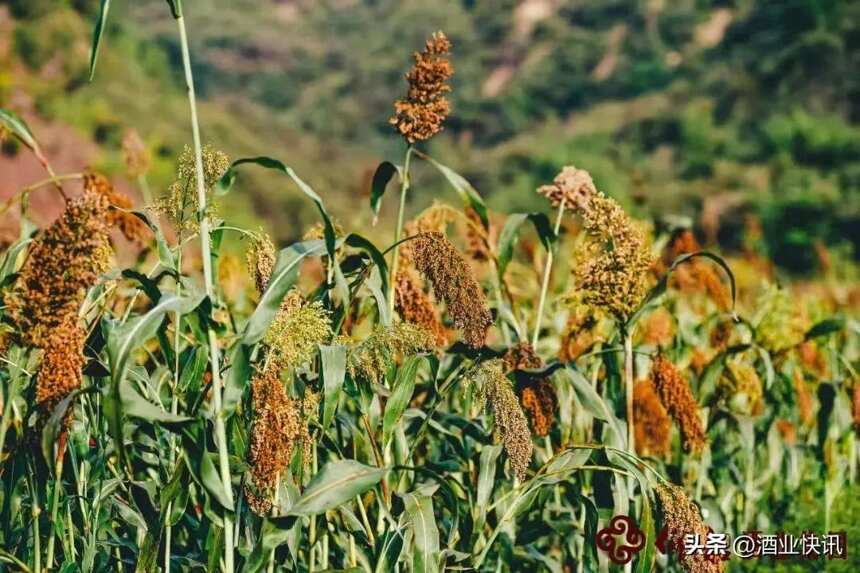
612, 267
420, 116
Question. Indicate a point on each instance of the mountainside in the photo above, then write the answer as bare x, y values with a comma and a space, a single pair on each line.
703, 109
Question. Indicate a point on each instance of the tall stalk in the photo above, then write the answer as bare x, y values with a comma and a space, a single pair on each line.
174, 402
546, 274
404, 187
214, 355
628, 389
55, 500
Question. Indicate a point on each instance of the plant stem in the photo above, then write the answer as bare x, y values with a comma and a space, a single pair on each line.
55, 500
214, 357
174, 403
546, 274
404, 187
628, 390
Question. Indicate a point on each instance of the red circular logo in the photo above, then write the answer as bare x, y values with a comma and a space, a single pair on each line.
621, 539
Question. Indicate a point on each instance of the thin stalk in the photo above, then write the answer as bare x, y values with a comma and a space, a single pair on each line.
628, 390
546, 274
174, 405
404, 187
35, 511
205, 248
55, 500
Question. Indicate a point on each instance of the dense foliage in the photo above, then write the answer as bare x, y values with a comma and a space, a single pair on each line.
483, 392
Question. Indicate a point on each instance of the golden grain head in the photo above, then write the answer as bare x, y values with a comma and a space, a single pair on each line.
452, 280
261, 257
612, 270
782, 325
275, 431
652, 424
61, 366
371, 358
677, 398
416, 306
296, 331
119, 216
682, 517
572, 186
740, 389
538, 397
420, 116
64, 262
135, 154
496, 390
181, 204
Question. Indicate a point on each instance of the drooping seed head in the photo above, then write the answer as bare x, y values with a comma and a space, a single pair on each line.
452, 280
678, 399
415, 305
261, 258
651, 421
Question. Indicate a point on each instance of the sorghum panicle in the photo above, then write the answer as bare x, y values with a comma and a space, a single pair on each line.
537, 396
652, 425
374, 355
134, 153
261, 258
612, 267
61, 366
419, 117
494, 388
452, 280
132, 227
298, 327
740, 389
678, 399
681, 517
415, 305
574, 186
64, 262
181, 203
782, 325
274, 433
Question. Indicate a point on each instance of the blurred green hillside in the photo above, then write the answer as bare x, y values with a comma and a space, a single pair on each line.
705, 110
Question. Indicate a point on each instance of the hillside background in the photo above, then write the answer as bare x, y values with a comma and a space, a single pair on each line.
703, 111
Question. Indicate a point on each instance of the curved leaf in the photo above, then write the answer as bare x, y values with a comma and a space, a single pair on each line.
333, 361
425, 534
19, 128
338, 482
404, 385
464, 189
511, 230
98, 32
381, 177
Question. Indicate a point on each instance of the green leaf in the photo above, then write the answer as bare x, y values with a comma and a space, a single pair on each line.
470, 196
283, 278
486, 480
229, 177
662, 284
18, 127
123, 340
511, 230
98, 32
333, 361
212, 480
595, 404
425, 534
825, 327
338, 482
175, 8
133, 404
404, 384
237, 377
381, 177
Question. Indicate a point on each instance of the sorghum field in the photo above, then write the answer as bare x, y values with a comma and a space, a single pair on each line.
461, 390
